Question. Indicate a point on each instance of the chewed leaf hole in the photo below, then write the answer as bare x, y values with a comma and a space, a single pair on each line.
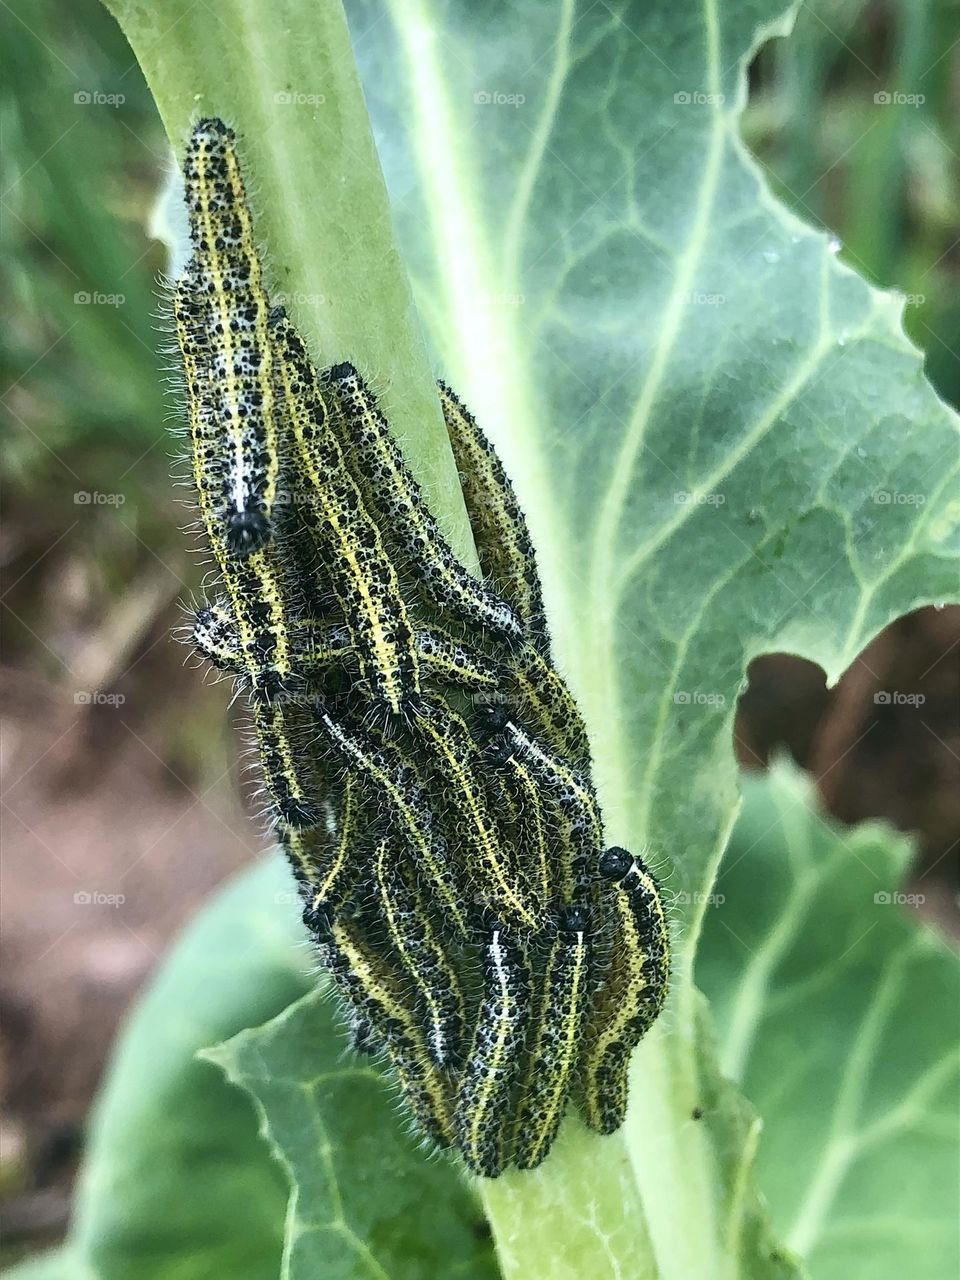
883, 743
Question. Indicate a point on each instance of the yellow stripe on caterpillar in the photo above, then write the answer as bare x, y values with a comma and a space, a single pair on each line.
289, 770
328, 859
458, 778
547, 703
395, 780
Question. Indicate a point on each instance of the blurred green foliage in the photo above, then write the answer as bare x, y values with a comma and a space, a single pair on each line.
887, 183
82, 151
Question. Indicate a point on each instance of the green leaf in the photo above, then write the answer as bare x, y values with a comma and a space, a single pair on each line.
364, 1200
724, 443
175, 1180
836, 1002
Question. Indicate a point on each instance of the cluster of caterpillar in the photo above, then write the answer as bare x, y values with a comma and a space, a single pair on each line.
428, 770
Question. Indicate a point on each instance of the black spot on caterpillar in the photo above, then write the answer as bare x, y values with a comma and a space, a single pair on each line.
393, 779
374, 991
458, 774
562, 995
484, 1111
398, 500
361, 573
632, 992
408, 919
230, 309
499, 526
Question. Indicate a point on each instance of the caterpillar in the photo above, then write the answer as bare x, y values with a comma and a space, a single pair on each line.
399, 502
556, 1040
225, 281
262, 598
458, 768
632, 993
394, 779
407, 918
484, 1100
374, 992
500, 531
362, 575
